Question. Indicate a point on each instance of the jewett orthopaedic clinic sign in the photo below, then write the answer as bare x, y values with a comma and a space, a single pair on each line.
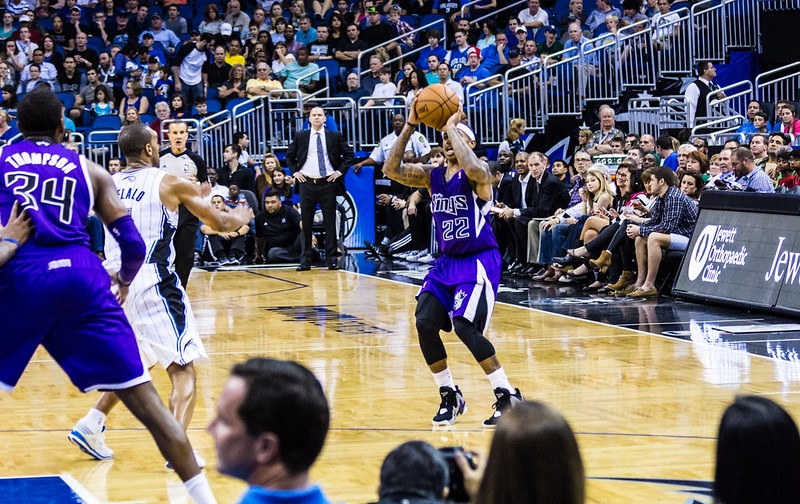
747, 258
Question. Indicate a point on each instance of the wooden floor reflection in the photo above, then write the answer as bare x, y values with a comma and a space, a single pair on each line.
645, 407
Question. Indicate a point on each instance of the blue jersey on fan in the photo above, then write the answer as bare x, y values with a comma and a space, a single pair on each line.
460, 215
52, 184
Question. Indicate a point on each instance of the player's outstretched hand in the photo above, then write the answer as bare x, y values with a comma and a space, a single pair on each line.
19, 226
413, 120
456, 117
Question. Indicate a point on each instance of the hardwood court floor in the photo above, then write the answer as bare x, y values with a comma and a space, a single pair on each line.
645, 407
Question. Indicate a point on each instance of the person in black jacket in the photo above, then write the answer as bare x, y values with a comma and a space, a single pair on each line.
187, 67
319, 160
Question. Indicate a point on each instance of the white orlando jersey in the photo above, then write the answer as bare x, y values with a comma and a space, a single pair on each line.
139, 192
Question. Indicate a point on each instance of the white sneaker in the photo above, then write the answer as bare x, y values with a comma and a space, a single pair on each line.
414, 256
90, 442
201, 462
426, 259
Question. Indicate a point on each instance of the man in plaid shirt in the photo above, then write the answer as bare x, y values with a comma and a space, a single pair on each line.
672, 221
406, 43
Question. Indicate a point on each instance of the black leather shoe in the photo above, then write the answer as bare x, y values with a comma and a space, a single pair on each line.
526, 271
566, 260
333, 266
304, 267
515, 267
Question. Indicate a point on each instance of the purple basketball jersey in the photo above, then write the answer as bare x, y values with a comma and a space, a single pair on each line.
52, 183
460, 216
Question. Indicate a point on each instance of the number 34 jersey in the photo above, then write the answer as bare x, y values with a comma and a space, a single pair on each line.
52, 183
462, 227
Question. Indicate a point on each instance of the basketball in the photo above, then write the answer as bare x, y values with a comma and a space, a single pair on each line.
435, 104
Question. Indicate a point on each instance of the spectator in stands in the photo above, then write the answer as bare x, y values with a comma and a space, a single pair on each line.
179, 109
103, 103
235, 86
373, 78
350, 48
86, 95
377, 32
174, 22
216, 187
322, 48
603, 9
162, 114
691, 184
6, 79
785, 173
666, 152
7, 132
167, 38
753, 108
280, 183
239, 21
697, 92
131, 115
85, 56
25, 47
234, 55
444, 78
790, 124
450, 9
487, 36
414, 472
701, 144
474, 72
140, 22
533, 17
47, 71
412, 85
9, 102
384, 90
337, 26
241, 139
758, 146
306, 34
521, 36
529, 58
187, 66
660, 21
683, 154
631, 12
260, 17
216, 72
578, 44
233, 172
600, 141
648, 143
457, 57
291, 75
697, 161
263, 82
513, 139
226, 248
575, 14
278, 231
354, 90
211, 22
433, 48
401, 28
670, 227
7, 28
776, 140
51, 54
748, 175
758, 454
551, 44
534, 454
117, 30
32, 82
133, 98
292, 45
75, 17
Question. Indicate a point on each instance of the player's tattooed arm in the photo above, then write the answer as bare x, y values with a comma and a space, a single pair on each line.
476, 169
410, 174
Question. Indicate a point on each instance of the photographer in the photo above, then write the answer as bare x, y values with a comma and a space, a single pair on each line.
413, 473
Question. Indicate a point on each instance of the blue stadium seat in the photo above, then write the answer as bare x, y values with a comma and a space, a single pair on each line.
68, 99
96, 43
333, 73
186, 12
212, 94
107, 122
151, 98
214, 106
147, 118
233, 103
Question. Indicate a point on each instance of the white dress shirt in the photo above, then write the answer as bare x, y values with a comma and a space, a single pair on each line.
311, 166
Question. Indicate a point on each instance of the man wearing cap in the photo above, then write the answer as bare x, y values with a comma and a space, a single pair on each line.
187, 68
377, 32
239, 21
148, 48
166, 37
75, 14
175, 22
118, 32
457, 56
521, 34
533, 17
474, 71
551, 44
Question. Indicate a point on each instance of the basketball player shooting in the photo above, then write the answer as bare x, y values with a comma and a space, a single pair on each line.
459, 292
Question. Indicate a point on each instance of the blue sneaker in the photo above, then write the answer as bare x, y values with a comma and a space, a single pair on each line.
91, 443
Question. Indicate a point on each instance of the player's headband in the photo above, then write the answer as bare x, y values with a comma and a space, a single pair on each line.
467, 130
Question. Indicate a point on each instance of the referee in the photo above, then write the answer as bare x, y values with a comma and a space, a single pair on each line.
181, 162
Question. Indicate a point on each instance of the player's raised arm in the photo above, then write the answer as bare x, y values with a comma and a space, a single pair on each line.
410, 174
476, 169
176, 191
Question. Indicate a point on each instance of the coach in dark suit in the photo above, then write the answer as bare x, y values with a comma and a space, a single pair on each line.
319, 160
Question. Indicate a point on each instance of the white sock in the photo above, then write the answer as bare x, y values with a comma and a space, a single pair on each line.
444, 379
498, 379
95, 419
199, 489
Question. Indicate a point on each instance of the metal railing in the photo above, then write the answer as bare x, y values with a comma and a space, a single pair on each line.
637, 65
562, 83
524, 96
413, 33
644, 115
673, 44
604, 84
375, 121
673, 112
486, 109
778, 84
718, 131
737, 96
742, 21
709, 31
282, 118
343, 112
216, 131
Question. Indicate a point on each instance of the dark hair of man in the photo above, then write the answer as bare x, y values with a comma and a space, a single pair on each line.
237, 137
217, 196
702, 65
743, 154
235, 148
272, 194
39, 113
286, 399
133, 138
665, 173
665, 142
758, 454
414, 469
783, 136
434, 33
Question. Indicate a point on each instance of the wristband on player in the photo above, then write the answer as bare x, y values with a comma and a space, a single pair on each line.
11, 240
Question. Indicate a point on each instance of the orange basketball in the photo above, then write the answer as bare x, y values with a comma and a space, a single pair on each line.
435, 104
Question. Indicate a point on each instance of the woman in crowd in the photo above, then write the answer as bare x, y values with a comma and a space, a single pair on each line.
103, 104
691, 184
6, 78
265, 171
697, 161
534, 458
63, 34
9, 103
513, 141
487, 38
412, 85
336, 27
178, 108
236, 87
133, 98
51, 54
280, 183
15, 60
790, 124
758, 454
211, 22
131, 116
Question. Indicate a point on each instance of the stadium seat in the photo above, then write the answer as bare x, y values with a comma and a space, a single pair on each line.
68, 99
147, 118
185, 11
151, 99
333, 73
96, 43
213, 106
212, 94
233, 103
107, 122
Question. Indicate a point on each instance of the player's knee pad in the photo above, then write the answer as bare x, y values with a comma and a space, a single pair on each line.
471, 336
430, 319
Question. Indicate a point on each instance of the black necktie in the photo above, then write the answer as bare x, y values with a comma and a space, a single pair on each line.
321, 156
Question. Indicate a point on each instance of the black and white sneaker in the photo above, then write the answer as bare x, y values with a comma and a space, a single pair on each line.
452, 405
505, 401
